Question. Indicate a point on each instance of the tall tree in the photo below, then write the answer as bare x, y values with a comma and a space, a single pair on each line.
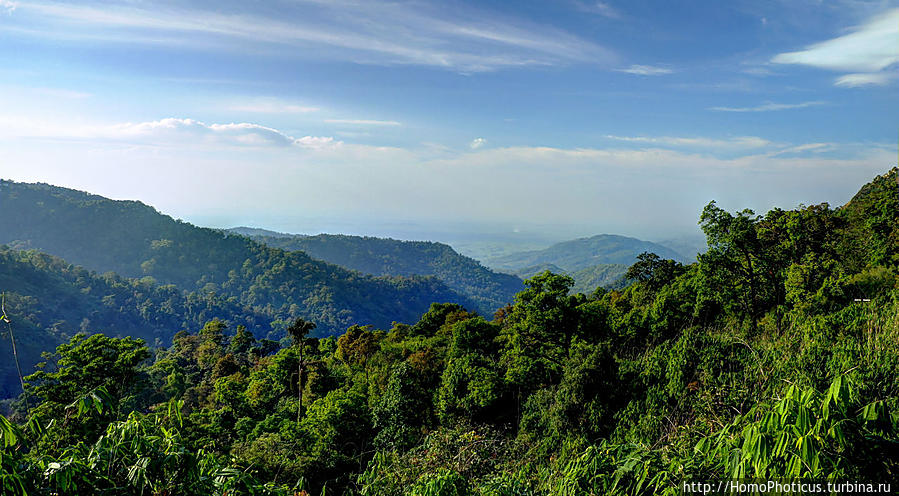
298, 331
731, 264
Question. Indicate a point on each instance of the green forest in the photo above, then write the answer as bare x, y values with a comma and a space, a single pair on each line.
487, 290
775, 355
134, 240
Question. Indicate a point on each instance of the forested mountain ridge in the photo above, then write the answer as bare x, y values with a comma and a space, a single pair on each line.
389, 257
578, 254
134, 240
48, 301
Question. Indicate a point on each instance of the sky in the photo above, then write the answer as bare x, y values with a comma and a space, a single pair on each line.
410, 118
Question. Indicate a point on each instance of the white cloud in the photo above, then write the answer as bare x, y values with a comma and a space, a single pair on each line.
363, 122
741, 145
808, 147
373, 32
738, 142
857, 80
646, 70
7, 7
316, 142
180, 130
598, 7
758, 71
477, 143
866, 51
165, 132
603, 8
769, 107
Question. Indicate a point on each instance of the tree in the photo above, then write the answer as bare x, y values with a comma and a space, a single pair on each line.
538, 331
298, 331
731, 264
653, 270
403, 410
83, 365
242, 341
470, 385
357, 345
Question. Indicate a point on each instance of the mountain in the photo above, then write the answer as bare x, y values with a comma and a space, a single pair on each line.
532, 270
255, 231
389, 257
600, 260
609, 276
586, 280
687, 246
582, 253
872, 217
49, 300
134, 240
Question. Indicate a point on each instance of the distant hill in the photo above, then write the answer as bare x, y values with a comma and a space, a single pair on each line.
586, 280
609, 276
134, 240
686, 246
531, 271
255, 231
600, 260
389, 257
582, 253
49, 300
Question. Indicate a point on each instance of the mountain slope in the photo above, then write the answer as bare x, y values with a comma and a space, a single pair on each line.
134, 240
582, 253
872, 216
49, 300
609, 276
586, 280
389, 257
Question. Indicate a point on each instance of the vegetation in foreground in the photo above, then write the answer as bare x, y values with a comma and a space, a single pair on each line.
775, 355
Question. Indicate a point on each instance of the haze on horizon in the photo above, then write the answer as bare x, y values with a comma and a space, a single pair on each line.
386, 118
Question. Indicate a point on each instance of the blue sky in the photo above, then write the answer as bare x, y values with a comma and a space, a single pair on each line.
586, 116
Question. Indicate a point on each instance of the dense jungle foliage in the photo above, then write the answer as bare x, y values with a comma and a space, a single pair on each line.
776, 355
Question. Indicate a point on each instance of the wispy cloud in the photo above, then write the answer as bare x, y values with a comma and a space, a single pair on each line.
808, 147
769, 107
646, 70
373, 32
866, 52
736, 146
857, 80
477, 143
737, 142
363, 122
758, 71
272, 106
598, 7
7, 7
